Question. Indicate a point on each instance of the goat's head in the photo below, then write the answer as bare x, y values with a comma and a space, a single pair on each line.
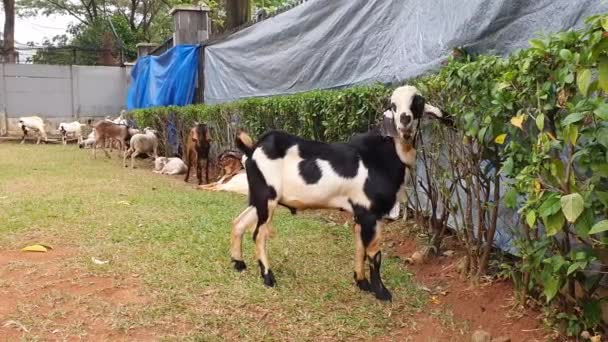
200, 133
160, 162
406, 106
149, 130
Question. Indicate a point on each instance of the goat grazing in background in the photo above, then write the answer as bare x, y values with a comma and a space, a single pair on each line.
74, 128
141, 143
363, 177
198, 144
106, 131
35, 123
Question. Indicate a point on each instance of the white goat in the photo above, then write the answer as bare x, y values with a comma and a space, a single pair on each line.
35, 123
169, 166
74, 128
146, 142
89, 141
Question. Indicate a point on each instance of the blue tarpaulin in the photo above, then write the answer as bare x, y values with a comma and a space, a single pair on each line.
168, 79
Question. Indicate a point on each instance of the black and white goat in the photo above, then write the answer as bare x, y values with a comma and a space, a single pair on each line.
32, 123
71, 128
363, 176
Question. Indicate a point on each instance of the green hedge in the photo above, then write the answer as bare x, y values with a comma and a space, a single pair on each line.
539, 117
322, 115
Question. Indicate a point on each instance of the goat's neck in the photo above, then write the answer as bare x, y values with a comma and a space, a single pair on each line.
406, 152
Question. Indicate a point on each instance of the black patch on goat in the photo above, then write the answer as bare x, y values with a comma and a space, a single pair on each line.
342, 157
259, 193
386, 170
310, 171
417, 106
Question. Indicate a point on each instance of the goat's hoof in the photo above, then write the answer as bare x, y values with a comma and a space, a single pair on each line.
383, 294
239, 265
269, 279
363, 285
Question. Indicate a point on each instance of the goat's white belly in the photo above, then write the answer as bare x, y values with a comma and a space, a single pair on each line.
330, 191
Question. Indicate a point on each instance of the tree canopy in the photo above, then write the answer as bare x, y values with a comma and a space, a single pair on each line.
118, 25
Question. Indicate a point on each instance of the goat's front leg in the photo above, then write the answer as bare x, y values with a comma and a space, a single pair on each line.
207, 171
246, 219
370, 235
199, 171
360, 279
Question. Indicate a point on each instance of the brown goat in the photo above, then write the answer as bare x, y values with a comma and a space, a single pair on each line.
198, 145
230, 165
109, 131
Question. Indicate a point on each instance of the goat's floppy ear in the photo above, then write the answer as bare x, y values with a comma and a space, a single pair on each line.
439, 114
388, 124
418, 106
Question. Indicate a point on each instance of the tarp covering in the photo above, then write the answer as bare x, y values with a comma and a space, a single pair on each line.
323, 44
168, 79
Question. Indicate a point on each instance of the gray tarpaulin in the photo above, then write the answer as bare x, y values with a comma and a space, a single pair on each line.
323, 44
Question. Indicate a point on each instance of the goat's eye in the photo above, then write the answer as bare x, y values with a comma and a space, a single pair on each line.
393, 107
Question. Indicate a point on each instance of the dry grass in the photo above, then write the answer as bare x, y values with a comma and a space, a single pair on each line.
174, 240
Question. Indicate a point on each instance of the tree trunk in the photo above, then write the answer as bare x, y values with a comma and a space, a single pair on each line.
238, 12
9, 31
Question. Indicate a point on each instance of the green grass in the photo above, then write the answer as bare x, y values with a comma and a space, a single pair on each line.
176, 239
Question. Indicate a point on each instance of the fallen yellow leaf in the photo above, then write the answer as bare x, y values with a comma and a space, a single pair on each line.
434, 300
35, 248
500, 139
518, 120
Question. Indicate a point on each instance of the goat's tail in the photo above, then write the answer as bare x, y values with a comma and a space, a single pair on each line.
245, 143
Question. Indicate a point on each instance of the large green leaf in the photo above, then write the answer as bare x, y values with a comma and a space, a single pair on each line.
540, 121
584, 223
572, 118
579, 265
602, 111
551, 286
565, 54
531, 218
583, 81
599, 227
550, 206
554, 223
511, 198
603, 73
537, 44
572, 206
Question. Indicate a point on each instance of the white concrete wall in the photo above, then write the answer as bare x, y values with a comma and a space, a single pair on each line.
59, 93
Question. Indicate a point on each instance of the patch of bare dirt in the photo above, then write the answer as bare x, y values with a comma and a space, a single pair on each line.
457, 307
42, 295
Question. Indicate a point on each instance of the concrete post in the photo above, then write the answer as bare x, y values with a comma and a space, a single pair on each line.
144, 49
191, 24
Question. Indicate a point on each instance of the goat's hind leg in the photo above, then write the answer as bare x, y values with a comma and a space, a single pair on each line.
246, 219
260, 235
